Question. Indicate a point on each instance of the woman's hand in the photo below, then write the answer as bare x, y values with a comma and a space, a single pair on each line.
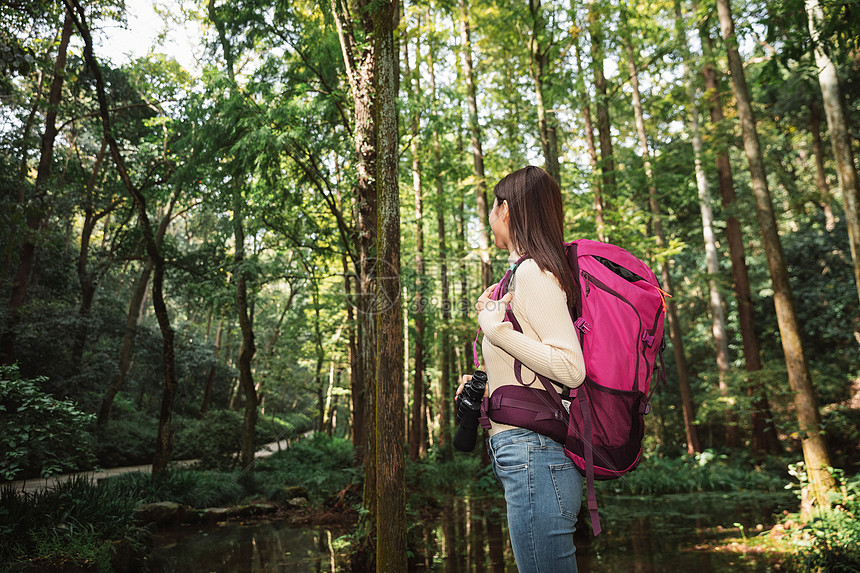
485, 302
463, 380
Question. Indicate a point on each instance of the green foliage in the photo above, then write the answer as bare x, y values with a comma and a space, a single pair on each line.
830, 541
130, 439
321, 465
78, 523
195, 488
284, 427
40, 435
215, 441
706, 471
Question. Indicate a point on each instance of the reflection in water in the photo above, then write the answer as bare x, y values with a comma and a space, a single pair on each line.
244, 548
642, 534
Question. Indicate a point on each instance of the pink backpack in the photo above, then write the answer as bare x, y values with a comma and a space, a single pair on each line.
619, 319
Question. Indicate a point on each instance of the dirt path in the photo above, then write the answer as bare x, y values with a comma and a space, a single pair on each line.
38, 484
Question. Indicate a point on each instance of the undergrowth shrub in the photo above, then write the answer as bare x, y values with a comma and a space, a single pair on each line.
78, 523
283, 427
705, 471
130, 437
830, 541
215, 441
321, 465
40, 435
199, 489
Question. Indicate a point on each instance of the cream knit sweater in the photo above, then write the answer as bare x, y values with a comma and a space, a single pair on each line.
548, 343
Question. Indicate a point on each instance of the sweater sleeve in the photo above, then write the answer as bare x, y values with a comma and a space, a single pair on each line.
540, 302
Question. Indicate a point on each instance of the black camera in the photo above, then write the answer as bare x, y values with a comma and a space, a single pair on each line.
468, 404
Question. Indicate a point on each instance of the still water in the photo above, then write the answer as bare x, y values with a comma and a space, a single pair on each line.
642, 534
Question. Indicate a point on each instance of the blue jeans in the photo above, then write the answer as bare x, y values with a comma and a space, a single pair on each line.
543, 491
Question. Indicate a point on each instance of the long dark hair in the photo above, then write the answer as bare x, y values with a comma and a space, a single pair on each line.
537, 222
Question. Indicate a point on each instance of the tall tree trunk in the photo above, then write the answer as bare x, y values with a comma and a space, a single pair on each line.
444, 351
210, 379
390, 431
820, 173
418, 424
247, 347
136, 308
320, 353
360, 64
585, 103
164, 439
657, 226
840, 139
125, 356
764, 429
359, 61
35, 213
87, 279
607, 159
539, 65
718, 321
815, 454
477, 150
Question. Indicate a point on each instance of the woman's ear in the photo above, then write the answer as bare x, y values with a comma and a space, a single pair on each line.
507, 214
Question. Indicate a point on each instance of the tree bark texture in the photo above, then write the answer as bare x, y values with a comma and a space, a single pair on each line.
815, 453
359, 61
840, 139
390, 430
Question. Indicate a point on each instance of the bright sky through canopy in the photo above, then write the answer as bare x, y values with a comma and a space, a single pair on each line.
141, 34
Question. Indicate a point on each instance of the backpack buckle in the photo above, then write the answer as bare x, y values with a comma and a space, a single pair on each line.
648, 339
644, 409
582, 325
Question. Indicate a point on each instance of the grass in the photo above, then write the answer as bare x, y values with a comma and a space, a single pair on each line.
77, 523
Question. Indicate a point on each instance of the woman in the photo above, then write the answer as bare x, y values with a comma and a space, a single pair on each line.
543, 489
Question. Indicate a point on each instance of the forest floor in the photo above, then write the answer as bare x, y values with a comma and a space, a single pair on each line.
34, 485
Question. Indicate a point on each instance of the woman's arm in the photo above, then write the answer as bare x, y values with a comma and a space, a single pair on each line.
540, 302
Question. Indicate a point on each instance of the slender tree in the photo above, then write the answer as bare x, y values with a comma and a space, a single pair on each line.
539, 44
601, 104
477, 149
27, 256
418, 424
820, 173
763, 428
718, 322
840, 139
815, 453
247, 347
585, 104
164, 439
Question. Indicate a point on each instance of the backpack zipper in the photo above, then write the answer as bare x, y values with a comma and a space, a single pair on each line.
589, 278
